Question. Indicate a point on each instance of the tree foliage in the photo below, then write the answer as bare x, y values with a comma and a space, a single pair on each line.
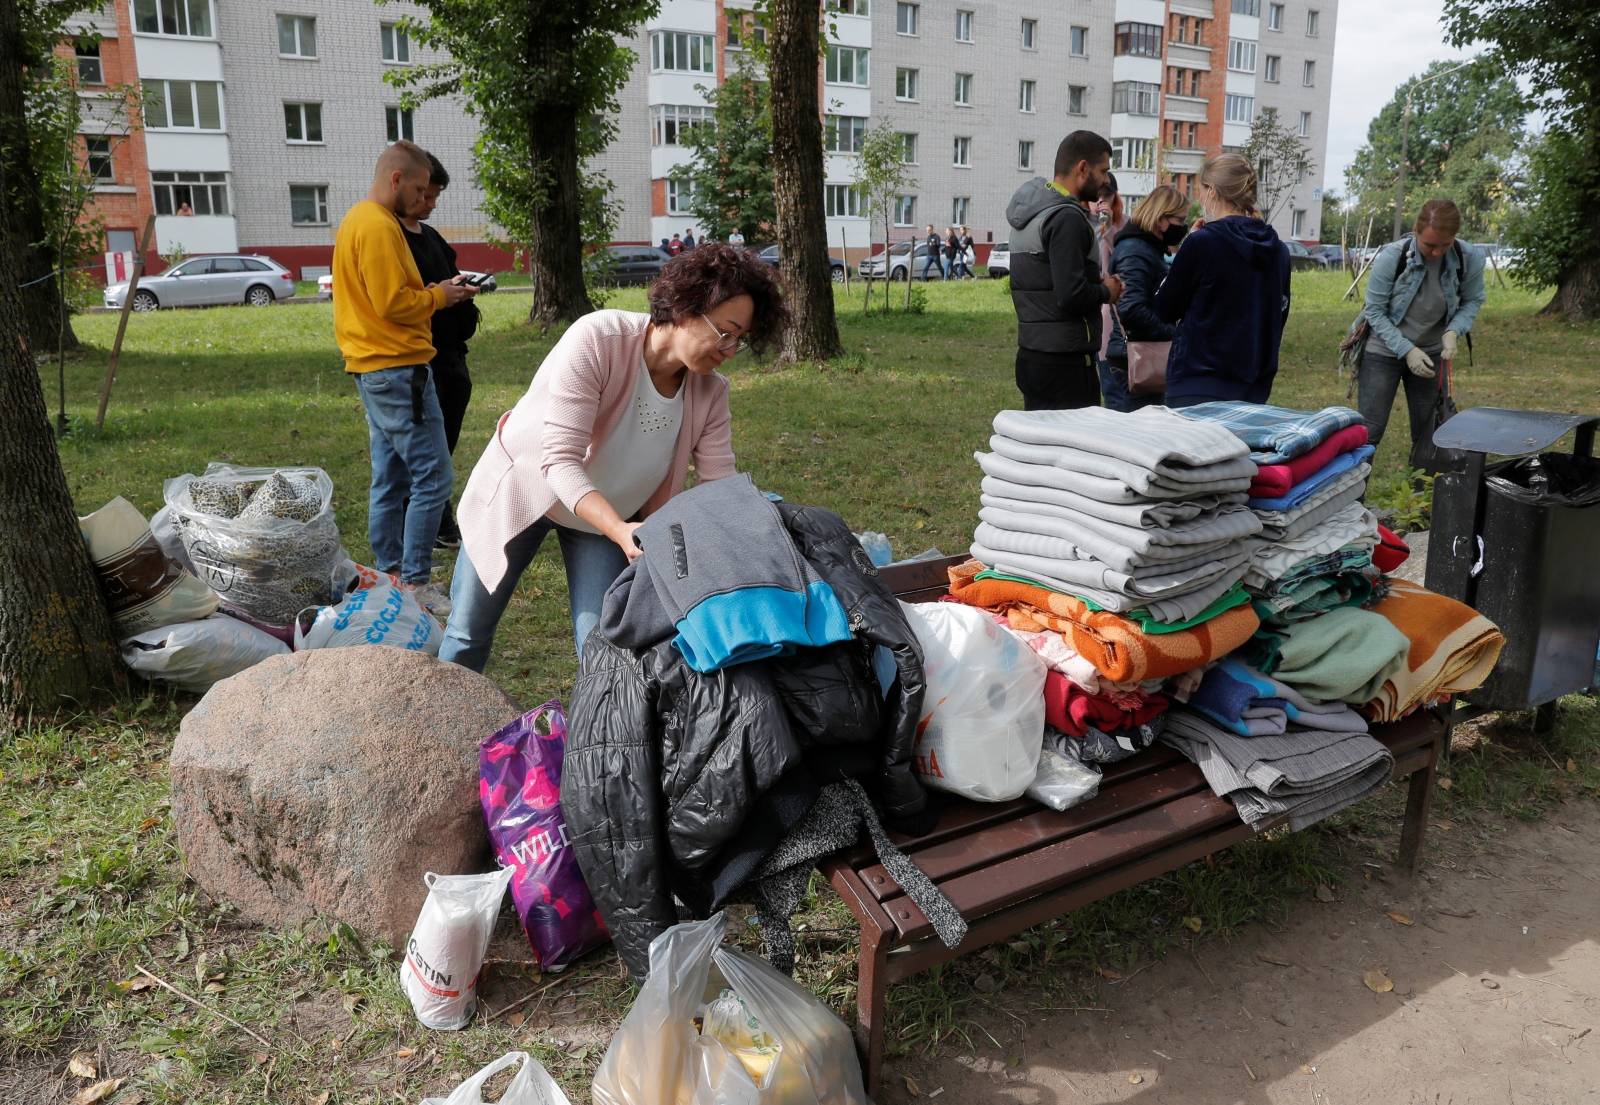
731, 171
882, 175
1282, 160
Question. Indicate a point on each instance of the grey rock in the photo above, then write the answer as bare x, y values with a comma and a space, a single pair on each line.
327, 782
1416, 565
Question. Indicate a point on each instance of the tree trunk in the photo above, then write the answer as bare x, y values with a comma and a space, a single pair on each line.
794, 29
1577, 297
56, 642
556, 251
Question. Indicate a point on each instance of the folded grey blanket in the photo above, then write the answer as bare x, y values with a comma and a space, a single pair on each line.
1154, 438
1167, 599
1279, 525
994, 529
1140, 514
1098, 488
1152, 483
1230, 523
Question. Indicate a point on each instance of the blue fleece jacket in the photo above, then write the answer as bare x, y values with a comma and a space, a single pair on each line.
1228, 291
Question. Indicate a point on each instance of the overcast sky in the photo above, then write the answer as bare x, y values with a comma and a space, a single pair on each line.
1379, 44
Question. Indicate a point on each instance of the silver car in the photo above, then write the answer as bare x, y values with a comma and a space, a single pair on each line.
204, 281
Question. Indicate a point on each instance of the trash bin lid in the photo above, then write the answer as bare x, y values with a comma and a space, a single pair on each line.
1507, 433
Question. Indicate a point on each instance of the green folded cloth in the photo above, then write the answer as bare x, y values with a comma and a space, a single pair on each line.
1306, 598
1345, 655
1234, 596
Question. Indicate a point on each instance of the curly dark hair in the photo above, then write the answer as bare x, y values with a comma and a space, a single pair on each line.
697, 280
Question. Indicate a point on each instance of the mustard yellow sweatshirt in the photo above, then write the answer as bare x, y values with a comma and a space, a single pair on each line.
381, 311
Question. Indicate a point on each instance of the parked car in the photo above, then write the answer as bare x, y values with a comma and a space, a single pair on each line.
1000, 260
901, 259
772, 256
205, 281
325, 283
630, 264
1332, 256
1302, 258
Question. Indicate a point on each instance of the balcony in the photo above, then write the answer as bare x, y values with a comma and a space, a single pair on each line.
1186, 109
1187, 55
1182, 159
1201, 8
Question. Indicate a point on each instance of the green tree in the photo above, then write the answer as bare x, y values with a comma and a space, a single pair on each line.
1555, 46
882, 176
1282, 160
1332, 217
731, 171
541, 77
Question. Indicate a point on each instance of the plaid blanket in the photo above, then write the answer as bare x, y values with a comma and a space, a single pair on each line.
1274, 434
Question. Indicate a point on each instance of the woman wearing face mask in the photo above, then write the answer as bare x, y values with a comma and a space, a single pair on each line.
1158, 225
1228, 292
1109, 220
604, 436
1417, 312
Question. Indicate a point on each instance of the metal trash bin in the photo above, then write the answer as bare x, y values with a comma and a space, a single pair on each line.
1517, 539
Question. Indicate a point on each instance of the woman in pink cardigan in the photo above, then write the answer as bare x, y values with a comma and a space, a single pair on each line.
604, 436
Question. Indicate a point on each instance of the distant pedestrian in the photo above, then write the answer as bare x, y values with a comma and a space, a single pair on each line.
966, 252
1157, 228
675, 246
931, 261
952, 246
381, 321
736, 239
666, 246
1228, 291
1056, 284
688, 239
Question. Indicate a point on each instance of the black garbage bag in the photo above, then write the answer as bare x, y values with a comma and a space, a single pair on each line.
1549, 478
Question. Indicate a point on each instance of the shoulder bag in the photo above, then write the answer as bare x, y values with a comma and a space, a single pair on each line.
1147, 361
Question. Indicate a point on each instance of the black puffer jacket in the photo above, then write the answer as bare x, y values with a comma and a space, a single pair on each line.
1139, 258
666, 769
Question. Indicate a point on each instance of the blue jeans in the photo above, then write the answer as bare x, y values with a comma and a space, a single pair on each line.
1114, 389
411, 471
930, 262
949, 262
593, 564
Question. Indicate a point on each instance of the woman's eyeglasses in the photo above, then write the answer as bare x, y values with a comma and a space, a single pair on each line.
726, 343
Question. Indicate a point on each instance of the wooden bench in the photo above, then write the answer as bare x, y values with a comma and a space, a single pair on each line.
1009, 866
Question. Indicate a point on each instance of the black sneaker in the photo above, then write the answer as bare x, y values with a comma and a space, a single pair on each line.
447, 541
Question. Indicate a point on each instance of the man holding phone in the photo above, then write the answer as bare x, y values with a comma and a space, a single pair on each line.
452, 326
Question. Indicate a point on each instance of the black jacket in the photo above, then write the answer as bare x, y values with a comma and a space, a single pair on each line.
672, 776
454, 326
1138, 258
1055, 272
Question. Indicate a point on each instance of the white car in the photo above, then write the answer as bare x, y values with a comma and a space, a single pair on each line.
1000, 260
207, 281
325, 283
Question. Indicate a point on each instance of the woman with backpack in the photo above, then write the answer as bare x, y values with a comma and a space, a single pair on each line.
1423, 295
1157, 227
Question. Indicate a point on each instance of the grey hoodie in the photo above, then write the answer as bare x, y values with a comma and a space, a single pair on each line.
1055, 271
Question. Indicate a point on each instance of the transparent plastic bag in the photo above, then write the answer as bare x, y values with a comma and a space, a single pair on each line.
877, 545
264, 539
799, 1052
532, 1085
1062, 782
447, 946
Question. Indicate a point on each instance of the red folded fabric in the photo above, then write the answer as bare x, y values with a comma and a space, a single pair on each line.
1391, 552
1071, 709
1274, 480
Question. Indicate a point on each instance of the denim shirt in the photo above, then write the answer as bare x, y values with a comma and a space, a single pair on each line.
1389, 294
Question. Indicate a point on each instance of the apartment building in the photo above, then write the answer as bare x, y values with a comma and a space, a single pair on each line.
262, 123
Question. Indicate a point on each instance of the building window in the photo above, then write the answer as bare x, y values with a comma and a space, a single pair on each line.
846, 65
1239, 109
297, 36
1080, 42
182, 105
1241, 55
1308, 75
302, 123
905, 211
1030, 34
1138, 40
850, 7
1305, 124
97, 157
681, 52
958, 209
843, 133
962, 157
1298, 230
843, 201
908, 148
397, 124
1024, 155
905, 84
745, 27
308, 204
670, 123
396, 44
1269, 68
905, 18
88, 57
1313, 23
1274, 17
204, 193
188, 18
1025, 96
1135, 98
963, 25
1077, 96
680, 196
1247, 7
963, 89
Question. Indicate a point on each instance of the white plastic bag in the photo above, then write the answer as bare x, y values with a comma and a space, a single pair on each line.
376, 612
447, 945
165, 530
767, 1040
983, 712
1062, 782
532, 1085
194, 655
145, 588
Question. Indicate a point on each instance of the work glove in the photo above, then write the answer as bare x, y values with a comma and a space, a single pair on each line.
1419, 363
1448, 351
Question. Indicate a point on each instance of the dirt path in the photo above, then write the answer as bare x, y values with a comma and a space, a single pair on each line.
1496, 999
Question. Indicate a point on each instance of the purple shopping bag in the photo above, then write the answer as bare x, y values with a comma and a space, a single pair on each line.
519, 783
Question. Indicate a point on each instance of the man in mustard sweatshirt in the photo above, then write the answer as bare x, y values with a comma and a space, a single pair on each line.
381, 320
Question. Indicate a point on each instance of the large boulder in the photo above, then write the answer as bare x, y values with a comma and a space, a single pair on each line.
328, 781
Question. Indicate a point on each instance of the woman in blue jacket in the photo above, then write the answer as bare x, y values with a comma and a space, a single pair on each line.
1139, 257
1228, 291
1418, 309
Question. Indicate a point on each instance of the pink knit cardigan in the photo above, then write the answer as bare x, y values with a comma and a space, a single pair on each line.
579, 394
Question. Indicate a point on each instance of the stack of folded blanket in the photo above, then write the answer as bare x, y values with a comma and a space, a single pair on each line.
1452, 648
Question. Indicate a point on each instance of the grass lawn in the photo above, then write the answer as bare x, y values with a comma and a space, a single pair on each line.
89, 872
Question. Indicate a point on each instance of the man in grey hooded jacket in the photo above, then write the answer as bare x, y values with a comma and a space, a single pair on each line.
1056, 284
